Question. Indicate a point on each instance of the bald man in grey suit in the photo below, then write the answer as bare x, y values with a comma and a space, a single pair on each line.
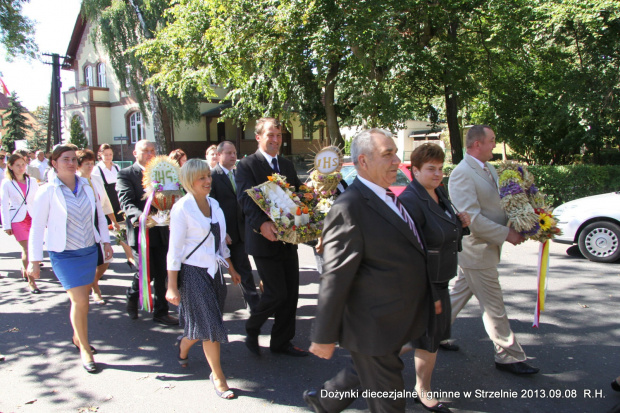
473, 188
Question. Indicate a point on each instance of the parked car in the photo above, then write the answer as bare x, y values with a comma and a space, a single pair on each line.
403, 176
593, 223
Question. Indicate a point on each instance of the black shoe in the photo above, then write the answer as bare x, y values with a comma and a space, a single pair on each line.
292, 351
167, 320
449, 346
520, 367
251, 342
131, 266
35, 291
132, 309
90, 367
436, 408
311, 398
615, 385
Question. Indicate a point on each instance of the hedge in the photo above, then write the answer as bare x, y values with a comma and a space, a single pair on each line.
565, 183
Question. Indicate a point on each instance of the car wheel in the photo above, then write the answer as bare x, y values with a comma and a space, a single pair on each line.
599, 241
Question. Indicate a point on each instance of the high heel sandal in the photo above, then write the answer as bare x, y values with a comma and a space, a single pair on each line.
182, 361
91, 367
226, 394
92, 349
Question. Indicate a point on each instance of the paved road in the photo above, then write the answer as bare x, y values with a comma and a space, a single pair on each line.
576, 347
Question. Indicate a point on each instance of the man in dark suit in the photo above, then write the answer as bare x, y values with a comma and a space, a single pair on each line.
276, 261
224, 190
375, 294
130, 194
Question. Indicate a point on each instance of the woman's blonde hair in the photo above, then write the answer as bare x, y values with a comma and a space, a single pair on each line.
191, 170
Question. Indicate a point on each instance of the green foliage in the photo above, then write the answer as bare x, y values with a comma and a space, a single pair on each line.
39, 141
16, 124
16, 31
78, 138
568, 182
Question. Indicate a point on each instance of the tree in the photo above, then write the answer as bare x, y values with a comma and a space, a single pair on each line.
39, 141
120, 26
78, 138
16, 31
17, 126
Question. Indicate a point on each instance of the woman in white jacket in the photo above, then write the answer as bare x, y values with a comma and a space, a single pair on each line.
18, 191
195, 280
67, 207
86, 163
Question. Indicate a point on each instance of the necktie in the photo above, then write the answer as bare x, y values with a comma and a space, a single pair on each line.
274, 165
488, 171
232, 180
405, 215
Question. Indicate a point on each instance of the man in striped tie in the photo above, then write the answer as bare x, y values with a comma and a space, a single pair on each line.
375, 294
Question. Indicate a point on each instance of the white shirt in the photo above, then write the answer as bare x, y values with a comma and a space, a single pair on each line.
268, 158
42, 165
109, 174
381, 193
188, 227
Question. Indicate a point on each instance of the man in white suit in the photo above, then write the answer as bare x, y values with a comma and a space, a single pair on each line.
474, 188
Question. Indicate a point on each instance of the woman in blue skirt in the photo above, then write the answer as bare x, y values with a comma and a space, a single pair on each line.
72, 214
195, 280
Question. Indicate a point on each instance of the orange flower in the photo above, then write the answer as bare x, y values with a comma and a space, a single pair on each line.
271, 178
298, 212
305, 210
308, 196
287, 185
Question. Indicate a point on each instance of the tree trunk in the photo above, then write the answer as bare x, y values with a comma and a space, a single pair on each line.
452, 107
456, 141
156, 115
330, 110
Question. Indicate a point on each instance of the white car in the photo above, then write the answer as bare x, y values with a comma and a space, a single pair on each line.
594, 224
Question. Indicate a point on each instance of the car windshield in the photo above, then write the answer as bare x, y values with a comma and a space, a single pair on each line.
349, 173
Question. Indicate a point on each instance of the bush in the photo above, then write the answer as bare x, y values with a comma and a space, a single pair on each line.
565, 183
568, 182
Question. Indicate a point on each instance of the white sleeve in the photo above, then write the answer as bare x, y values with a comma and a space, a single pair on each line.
5, 200
178, 230
40, 216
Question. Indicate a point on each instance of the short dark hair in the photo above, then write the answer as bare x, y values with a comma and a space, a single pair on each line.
475, 133
84, 155
177, 155
220, 147
260, 124
427, 152
102, 148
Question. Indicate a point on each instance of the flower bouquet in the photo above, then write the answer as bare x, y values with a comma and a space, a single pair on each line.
529, 214
293, 213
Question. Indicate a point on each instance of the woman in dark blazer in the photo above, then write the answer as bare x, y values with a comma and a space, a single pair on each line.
442, 229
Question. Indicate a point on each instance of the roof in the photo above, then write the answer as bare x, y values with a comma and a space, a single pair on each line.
74, 43
216, 112
4, 101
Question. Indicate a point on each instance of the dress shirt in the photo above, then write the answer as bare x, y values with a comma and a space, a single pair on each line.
110, 175
382, 194
268, 157
188, 227
42, 166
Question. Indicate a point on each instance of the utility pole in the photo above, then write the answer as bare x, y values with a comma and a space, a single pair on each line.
54, 127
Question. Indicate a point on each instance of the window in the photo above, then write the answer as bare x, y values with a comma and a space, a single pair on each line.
101, 75
136, 127
88, 76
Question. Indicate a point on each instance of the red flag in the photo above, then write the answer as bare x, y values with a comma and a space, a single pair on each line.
5, 89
